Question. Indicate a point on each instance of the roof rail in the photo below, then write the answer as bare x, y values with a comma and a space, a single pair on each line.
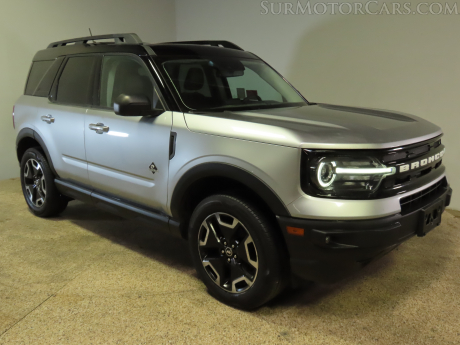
119, 38
225, 44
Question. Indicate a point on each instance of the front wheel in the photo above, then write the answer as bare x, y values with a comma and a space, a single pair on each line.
237, 252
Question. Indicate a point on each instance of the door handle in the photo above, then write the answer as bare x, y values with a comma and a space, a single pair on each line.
47, 118
98, 127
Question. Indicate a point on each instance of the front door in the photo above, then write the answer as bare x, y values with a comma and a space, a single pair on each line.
128, 156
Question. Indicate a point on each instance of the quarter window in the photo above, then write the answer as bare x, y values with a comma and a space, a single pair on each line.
37, 72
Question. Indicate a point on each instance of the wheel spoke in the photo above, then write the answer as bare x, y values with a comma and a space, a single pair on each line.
242, 253
208, 236
239, 279
216, 269
34, 195
39, 202
28, 173
36, 167
43, 186
40, 195
29, 191
241, 283
251, 252
228, 226
235, 272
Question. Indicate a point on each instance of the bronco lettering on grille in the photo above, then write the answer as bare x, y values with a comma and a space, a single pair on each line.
421, 163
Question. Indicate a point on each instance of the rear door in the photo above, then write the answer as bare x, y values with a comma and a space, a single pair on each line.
129, 157
62, 121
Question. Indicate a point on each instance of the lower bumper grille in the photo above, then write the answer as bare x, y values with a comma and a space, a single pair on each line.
422, 198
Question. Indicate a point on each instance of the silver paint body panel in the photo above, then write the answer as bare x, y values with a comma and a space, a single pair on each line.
64, 138
267, 144
316, 127
119, 160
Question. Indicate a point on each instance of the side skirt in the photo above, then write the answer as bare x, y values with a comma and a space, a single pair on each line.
119, 207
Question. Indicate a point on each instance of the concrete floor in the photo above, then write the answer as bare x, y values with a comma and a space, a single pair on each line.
88, 277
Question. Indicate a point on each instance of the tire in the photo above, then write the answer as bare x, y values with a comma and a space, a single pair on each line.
237, 252
37, 181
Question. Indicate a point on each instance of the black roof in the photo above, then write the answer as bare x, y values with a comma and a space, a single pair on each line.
194, 50
131, 43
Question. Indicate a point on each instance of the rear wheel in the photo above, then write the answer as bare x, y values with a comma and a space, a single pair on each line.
237, 252
38, 187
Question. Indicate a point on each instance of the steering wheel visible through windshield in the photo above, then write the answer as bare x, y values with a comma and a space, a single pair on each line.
218, 84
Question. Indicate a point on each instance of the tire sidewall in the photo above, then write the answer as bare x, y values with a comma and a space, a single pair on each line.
262, 289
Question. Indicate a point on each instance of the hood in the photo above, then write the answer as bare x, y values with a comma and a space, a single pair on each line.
317, 126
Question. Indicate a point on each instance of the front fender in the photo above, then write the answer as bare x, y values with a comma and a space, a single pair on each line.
244, 177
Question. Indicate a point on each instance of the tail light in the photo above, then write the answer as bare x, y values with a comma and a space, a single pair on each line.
14, 125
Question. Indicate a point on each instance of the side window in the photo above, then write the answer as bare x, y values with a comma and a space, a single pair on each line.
37, 72
76, 82
127, 75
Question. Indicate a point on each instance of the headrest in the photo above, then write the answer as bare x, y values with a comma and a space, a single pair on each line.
194, 79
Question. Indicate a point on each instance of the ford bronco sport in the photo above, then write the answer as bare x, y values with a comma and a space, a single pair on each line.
208, 142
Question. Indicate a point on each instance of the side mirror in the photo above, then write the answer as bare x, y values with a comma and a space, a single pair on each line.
134, 105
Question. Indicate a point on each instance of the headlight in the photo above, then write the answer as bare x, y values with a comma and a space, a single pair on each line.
326, 173
354, 177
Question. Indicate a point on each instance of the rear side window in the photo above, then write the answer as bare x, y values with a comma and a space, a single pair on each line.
36, 75
76, 82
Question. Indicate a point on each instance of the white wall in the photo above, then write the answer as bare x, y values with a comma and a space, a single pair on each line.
406, 63
399, 62
28, 26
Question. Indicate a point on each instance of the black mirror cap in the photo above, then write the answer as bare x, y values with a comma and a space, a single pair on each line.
134, 105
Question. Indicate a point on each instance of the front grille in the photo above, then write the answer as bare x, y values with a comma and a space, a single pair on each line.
409, 180
422, 198
403, 181
410, 152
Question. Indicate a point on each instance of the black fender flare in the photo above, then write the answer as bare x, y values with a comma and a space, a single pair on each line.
30, 133
231, 172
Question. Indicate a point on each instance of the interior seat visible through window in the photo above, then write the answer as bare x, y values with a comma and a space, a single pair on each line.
193, 84
125, 75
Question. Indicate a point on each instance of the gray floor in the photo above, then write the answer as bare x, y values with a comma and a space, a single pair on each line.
88, 277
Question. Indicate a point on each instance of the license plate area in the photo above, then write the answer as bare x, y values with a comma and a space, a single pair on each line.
430, 217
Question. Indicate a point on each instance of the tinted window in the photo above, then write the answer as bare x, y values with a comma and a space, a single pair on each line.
126, 75
250, 80
37, 72
220, 84
76, 81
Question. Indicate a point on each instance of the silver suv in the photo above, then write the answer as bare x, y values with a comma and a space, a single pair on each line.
208, 142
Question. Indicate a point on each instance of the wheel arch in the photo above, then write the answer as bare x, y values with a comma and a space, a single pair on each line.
28, 138
207, 179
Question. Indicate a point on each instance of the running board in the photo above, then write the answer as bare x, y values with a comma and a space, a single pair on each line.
117, 206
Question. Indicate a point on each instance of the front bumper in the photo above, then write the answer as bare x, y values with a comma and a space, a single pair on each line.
329, 250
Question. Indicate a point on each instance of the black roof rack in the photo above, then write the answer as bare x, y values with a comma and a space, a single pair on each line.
224, 44
119, 38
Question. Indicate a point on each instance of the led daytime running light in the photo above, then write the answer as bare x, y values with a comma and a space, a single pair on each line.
320, 180
365, 171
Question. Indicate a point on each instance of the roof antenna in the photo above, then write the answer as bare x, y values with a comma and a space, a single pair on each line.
91, 35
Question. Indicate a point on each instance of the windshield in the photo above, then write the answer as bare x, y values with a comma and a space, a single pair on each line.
218, 84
